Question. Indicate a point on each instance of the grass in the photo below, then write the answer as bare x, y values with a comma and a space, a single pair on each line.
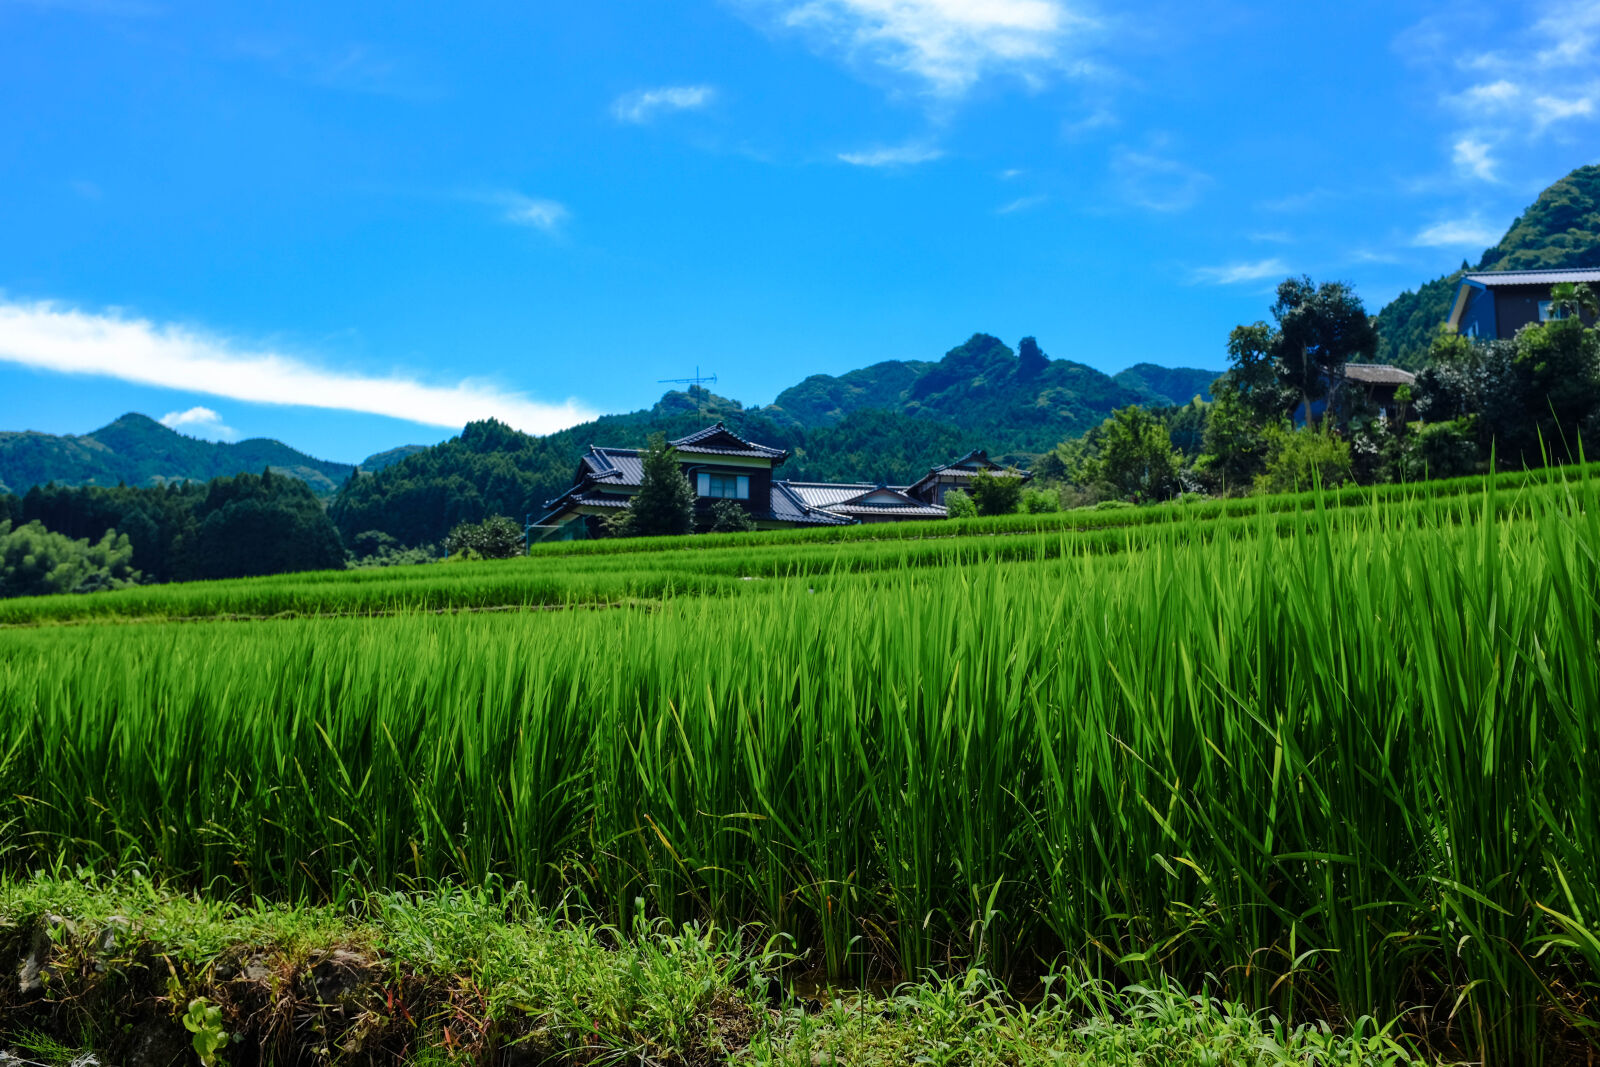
1334, 764
459, 976
629, 570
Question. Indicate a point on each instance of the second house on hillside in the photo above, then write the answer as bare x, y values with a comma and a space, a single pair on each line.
721, 465
1491, 305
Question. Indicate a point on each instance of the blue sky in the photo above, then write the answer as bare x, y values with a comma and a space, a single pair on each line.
354, 225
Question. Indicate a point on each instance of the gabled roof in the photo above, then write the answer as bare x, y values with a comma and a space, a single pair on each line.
1377, 374
963, 468
864, 498
1492, 278
718, 440
788, 506
1500, 279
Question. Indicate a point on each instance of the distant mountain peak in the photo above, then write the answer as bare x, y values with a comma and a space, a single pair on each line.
134, 449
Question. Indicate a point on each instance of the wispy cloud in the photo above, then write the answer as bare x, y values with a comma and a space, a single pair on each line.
944, 46
892, 156
539, 213
1470, 232
353, 68
1538, 83
1098, 119
645, 104
1472, 157
1235, 273
200, 422
1021, 203
1156, 182
52, 337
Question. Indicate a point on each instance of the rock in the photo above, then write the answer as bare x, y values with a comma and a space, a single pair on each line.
30, 982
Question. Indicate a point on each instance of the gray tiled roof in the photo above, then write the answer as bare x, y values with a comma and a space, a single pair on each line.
787, 505
718, 440
901, 511
1534, 277
1377, 374
826, 494
615, 466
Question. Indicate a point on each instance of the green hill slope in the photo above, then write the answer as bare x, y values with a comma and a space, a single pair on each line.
1014, 404
887, 422
1560, 229
137, 450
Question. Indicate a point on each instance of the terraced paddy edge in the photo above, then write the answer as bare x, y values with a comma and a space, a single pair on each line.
613, 571
139, 975
1345, 771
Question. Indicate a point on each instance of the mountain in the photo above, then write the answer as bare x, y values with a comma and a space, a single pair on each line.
379, 460
1016, 404
887, 422
1559, 229
137, 450
1174, 386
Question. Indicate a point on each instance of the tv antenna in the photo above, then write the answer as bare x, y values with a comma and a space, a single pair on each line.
696, 385
697, 380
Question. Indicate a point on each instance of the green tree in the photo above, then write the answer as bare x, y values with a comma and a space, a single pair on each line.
1320, 329
36, 562
1040, 501
496, 537
729, 516
1136, 457
996, 494
664, 504
1567, 298
1300, 459
960, 505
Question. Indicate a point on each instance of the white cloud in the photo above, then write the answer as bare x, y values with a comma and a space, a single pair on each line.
1494, 94
50, 337
1234, 273
1457, 233
895, 156
1551, 109
947, 46
1021, 203
546, 215
1539, 83
1472, 157
646, 104
199, 422
1155, 182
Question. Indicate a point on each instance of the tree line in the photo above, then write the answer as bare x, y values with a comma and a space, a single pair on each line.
59, 539
1278, 422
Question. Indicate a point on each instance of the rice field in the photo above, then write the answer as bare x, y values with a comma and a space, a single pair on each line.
1332, 761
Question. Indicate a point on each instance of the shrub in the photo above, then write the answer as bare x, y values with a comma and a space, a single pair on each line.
496, 537
728, 516
996, 494
1040, 501
36, 562
1299, 459
960, 505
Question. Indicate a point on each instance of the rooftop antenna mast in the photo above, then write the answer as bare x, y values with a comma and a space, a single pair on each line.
695, 384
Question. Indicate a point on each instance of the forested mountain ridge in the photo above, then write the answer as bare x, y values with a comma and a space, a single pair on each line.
137, 450
1022, 402
887, 422
1561, 229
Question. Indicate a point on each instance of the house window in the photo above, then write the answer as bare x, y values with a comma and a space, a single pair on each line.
726, 486
1548, 312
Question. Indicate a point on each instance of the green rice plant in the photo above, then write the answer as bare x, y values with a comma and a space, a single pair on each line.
1335, 764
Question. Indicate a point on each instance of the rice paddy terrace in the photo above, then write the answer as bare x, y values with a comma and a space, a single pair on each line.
1331, 756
